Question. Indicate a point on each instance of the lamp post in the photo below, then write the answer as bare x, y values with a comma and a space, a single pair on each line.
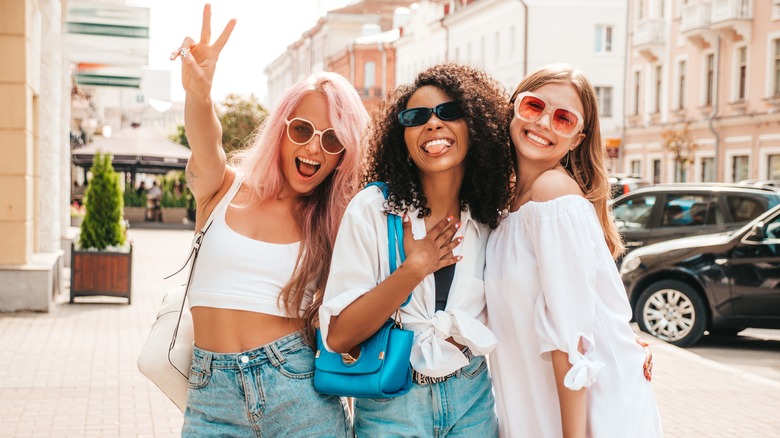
682, 146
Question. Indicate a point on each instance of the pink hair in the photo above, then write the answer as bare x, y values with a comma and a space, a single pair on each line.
320, 211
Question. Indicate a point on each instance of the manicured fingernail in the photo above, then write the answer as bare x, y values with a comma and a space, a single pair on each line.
173, 55
459, 239
450, 218
457, 225
406, 218
460, 258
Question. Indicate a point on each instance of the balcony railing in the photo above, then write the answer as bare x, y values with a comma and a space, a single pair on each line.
695, 16
726, 10
649, 32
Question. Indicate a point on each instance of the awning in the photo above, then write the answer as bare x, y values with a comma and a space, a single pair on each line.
136, 150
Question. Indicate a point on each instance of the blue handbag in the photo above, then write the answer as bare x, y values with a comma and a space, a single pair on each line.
382, 368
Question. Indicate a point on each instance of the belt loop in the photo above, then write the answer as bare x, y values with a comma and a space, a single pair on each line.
207, 363
278, 356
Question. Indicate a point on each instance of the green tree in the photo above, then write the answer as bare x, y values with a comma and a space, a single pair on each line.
180, 137
240, 117
103, 223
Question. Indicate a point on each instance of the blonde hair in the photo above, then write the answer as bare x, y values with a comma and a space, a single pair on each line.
586, 163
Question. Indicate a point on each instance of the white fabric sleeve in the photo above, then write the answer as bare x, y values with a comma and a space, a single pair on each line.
354, 268
564, 233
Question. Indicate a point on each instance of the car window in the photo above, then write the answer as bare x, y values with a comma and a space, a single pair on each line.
772, 229
745, 208
633, 213
691, 210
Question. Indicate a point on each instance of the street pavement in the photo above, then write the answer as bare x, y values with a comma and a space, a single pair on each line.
71, 372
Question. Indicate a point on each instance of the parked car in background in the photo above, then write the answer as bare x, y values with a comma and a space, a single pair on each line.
623, 183
662, 212
760, 183
722, 282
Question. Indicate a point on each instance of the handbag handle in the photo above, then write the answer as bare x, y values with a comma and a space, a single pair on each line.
395, 237
196, 242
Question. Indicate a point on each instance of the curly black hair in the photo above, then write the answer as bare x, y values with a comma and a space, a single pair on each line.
486, 188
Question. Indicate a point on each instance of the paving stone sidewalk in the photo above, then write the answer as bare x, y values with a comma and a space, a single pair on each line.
72, 373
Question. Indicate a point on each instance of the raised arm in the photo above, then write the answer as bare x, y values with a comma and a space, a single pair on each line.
207, 165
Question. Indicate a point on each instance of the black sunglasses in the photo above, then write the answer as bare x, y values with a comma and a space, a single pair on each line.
447, 111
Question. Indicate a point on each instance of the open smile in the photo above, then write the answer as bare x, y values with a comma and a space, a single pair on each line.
437, 146
307, 167
536, 138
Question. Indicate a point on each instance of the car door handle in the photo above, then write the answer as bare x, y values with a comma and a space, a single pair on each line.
721, 262
633, 244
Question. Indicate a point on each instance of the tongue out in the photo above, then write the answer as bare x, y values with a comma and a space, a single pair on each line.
306, 170
437, 148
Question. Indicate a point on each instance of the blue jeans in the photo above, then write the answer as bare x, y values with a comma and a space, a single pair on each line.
461, 406
265, 392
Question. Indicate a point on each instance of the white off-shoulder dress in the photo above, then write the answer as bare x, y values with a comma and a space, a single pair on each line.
550, 282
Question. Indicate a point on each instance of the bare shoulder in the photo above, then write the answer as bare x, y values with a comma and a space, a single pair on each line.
553, 184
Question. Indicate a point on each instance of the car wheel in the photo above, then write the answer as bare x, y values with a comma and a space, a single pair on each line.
673, 311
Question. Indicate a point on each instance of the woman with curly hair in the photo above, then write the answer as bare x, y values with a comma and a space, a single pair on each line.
442, 147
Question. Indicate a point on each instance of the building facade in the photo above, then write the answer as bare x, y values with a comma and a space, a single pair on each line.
326, 40
711, 68
35, 171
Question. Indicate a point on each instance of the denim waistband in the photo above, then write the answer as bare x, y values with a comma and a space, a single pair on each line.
273, 352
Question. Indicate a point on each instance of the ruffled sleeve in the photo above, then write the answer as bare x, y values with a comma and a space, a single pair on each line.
355, 265
564, 233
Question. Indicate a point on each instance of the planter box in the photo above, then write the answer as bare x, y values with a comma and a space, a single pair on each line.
100, 273
174, 215
75, 221
135, 214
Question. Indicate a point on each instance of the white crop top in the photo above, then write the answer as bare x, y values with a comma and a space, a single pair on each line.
236, 272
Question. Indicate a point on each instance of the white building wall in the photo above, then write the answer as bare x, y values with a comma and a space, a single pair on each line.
423, 43
489, 34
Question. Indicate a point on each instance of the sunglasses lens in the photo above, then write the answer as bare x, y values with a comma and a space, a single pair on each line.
300, 131
330, 142
449, 111
564, 121
530, 108
414, 116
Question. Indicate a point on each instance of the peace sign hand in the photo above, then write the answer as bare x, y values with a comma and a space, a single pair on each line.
199, 60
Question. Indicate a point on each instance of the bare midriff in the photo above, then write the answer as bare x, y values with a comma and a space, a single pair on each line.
234, 331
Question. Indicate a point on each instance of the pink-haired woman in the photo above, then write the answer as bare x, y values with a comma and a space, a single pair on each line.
266, 253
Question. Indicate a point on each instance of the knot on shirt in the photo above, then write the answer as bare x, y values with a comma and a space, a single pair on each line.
442, 323
583, 372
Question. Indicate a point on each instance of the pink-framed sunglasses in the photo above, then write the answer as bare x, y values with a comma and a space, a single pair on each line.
565, 122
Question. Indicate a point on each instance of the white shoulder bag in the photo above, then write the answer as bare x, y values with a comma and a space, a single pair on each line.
166, 356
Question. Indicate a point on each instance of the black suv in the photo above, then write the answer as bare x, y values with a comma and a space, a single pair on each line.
718, 282
662, 212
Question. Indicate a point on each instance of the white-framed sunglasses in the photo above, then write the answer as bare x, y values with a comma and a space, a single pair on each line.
301, 131
565, 122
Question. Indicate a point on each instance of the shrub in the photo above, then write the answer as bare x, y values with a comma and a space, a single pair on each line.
103, 224
133, 199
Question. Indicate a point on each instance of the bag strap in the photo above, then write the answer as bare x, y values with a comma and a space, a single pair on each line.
196, 242
395, 234
198, 238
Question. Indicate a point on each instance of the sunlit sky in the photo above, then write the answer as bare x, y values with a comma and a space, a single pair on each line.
264, 30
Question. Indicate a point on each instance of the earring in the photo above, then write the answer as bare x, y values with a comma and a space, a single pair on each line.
566, 164
409, 161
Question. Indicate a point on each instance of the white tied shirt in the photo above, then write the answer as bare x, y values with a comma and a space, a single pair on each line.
361, 262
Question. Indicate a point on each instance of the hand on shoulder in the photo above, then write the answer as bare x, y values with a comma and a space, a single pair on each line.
553, 184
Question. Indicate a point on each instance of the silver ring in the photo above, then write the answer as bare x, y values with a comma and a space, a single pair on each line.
184, 52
